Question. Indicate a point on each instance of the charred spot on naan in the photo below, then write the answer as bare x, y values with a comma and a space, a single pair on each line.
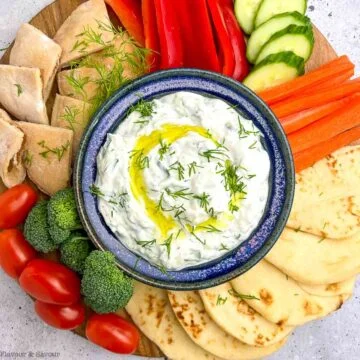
266, 297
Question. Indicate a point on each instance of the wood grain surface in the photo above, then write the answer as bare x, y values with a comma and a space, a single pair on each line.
50, 19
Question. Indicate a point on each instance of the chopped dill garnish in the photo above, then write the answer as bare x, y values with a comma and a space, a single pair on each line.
204, 200
253, 145
210, 228
167, 244
213, 154
144, 108
136, 262
164, 148
19, 89
192, 232
119, 199
95, 190
141, 160
251, 176
58, 151
4, 48
178, 233
179, 210
69, 115
181, 193
192, 168
159, 205
220, 300
177, 166
145, 243
326, 223
243, 133
233, 182
232, 292
223, 247
27, 158
233, 207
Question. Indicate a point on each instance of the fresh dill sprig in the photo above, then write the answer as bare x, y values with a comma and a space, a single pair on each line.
223, 247
210, 154
192, 168
167, 243
232, 292
233, 182
220, 300
164, 148
179, 168
58, 151
19, 89
192, 232
141, 160
69, 115
181, 193
253, 145
78, 83
204, 200
159, 205
95, 190
144, 108
119, 199
27, 158
243, 133
145, 243
210, 228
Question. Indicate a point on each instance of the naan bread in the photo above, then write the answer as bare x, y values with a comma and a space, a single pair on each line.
344, 287
48, 150
335, 218
281, 299
190, 312
150, 310
72, 35
316, 261
12, 171
21, 93
33, 49
239, 320
72, 114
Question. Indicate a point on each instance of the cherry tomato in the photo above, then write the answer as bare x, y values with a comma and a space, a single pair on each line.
15, 252
15, 205
61, 317
113, 333
50, 282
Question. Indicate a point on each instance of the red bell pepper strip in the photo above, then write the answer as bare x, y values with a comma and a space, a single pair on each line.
197, 35
151, 34
237, 38
169, 34
223, 39
129, 14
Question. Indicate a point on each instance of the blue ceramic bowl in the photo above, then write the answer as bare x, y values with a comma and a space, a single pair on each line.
236, 262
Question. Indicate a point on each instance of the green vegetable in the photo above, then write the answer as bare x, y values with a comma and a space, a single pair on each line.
105, 287
245, 11
75, 250
36, 230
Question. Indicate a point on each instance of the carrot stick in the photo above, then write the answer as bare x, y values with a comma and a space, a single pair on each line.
308, 157
316, 77
338, 80
303, 118
308, 101
326, 128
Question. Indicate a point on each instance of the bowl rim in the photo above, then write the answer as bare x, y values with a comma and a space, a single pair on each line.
280, 139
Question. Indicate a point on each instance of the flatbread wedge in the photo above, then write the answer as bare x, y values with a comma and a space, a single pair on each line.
149, 308
313, 260
33, 49
191, 314
344, 287
71, 114
239, 320
76, 33
12, 170
47, 151
280, 299
21, 93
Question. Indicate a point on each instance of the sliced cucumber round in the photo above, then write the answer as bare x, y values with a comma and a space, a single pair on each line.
298, 39
264, 32
270, 8
245, 11
274, 70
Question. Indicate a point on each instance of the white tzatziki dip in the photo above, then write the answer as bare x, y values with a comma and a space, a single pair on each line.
183, 180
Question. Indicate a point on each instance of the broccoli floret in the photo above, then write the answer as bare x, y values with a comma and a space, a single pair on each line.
75, 250
62, 215
36, 228
106, 288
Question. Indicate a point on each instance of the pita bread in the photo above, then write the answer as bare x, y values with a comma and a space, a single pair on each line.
72, 114
344, 287
87, 17
239, 320
33, 49
48, 170
190, 312
150, 310
12, 171
21, 93
335, 218
313, 260
280, 299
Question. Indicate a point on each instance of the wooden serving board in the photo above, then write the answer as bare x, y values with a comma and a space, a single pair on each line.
51, 18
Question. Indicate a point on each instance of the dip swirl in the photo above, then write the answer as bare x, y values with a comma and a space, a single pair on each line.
183, 180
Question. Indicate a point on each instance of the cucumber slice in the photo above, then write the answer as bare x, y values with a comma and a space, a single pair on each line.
264, 32
245, 11
270, 8
298, 39
275, 70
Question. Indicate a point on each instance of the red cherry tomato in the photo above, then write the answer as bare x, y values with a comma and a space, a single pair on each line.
15, 205
50, 282
15, 252
61, 317
113, 333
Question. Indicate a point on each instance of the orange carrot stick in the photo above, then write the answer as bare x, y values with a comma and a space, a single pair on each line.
308, 101
303, 118
316, 77
308, 157
326, 128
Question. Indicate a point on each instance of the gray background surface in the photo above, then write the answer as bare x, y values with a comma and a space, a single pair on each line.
335, 338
